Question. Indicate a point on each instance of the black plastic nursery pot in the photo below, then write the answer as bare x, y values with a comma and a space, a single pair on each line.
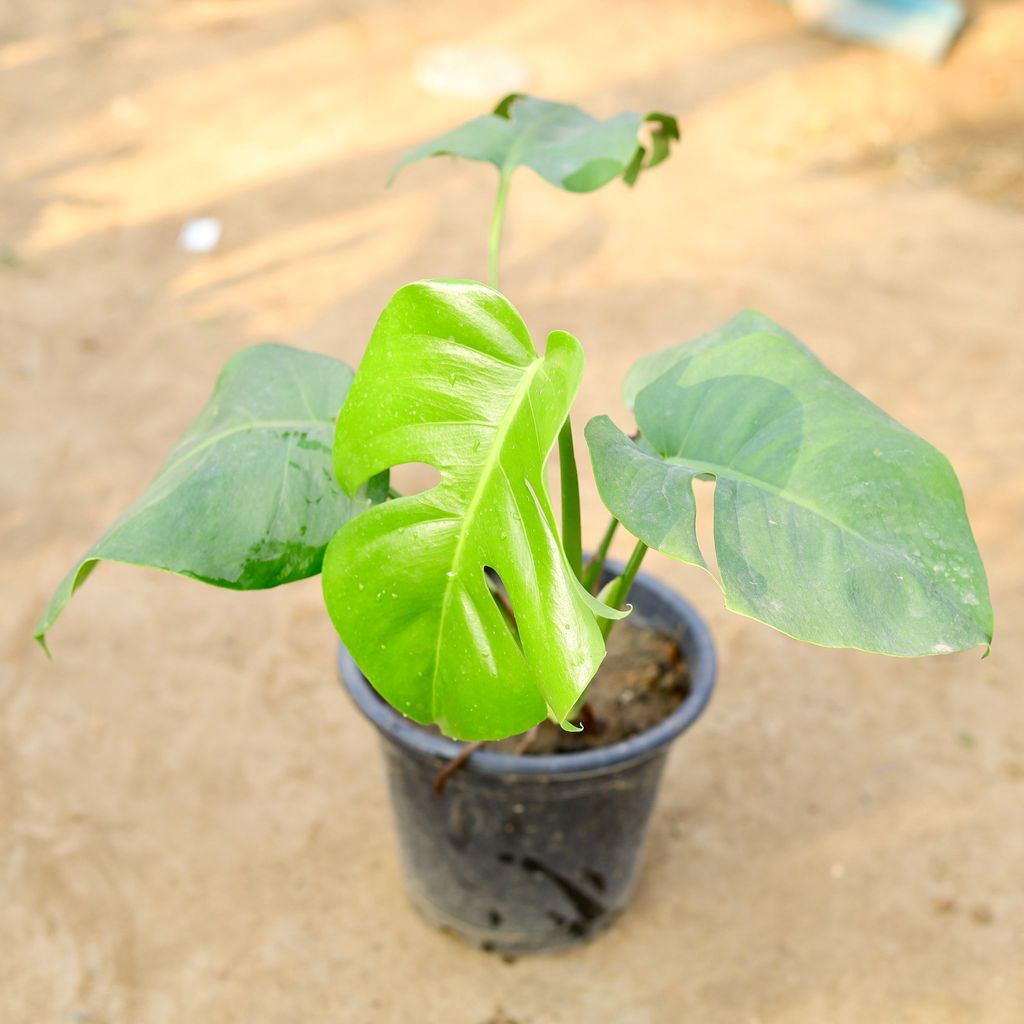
527, 853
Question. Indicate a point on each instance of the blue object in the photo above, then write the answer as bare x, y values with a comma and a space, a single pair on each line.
924, 29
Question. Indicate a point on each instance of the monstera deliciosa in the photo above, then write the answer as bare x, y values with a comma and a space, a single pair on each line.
451, 378
468, 605
833, 523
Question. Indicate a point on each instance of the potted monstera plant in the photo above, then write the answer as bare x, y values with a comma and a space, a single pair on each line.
468, 611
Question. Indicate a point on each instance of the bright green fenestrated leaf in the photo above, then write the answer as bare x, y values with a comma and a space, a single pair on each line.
833, 523
563, 144
247, 498
451, 378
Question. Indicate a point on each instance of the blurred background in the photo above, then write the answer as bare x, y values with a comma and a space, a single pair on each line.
193, 823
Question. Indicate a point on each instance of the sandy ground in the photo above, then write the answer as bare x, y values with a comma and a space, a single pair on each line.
194, 824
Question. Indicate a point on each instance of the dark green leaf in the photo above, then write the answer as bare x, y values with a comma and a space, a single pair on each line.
563, 144
833, 523
451, 378
247, 499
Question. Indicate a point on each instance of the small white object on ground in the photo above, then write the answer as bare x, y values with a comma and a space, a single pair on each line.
199, 236
469, 72
128, 112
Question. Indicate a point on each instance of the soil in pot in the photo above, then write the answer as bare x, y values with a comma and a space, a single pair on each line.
642, 680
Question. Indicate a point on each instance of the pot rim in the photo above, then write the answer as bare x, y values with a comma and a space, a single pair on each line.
697, 646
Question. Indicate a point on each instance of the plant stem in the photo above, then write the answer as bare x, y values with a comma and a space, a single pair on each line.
619, 593
592, 573
497, 223
572, 536
449, 769
392, 493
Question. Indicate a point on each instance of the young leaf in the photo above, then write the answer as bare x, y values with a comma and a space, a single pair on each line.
451, 378
833, 523
247, 499
563, 144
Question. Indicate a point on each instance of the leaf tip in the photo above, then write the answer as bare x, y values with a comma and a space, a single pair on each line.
503, 108
566, 726
40, 638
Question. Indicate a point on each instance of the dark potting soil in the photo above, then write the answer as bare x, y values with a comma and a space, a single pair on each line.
643, 679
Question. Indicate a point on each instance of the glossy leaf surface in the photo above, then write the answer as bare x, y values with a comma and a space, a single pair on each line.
833, 523
247, 498
451, 378
563, 144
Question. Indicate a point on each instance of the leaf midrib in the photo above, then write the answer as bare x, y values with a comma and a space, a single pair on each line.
492, 459
142, 505
241, 428
729, 472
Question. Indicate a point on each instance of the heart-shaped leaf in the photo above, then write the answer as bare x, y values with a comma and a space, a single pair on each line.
247, 498
451, 378
833, 523
563, 144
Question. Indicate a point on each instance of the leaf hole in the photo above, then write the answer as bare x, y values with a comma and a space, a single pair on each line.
414, 477
499, 594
